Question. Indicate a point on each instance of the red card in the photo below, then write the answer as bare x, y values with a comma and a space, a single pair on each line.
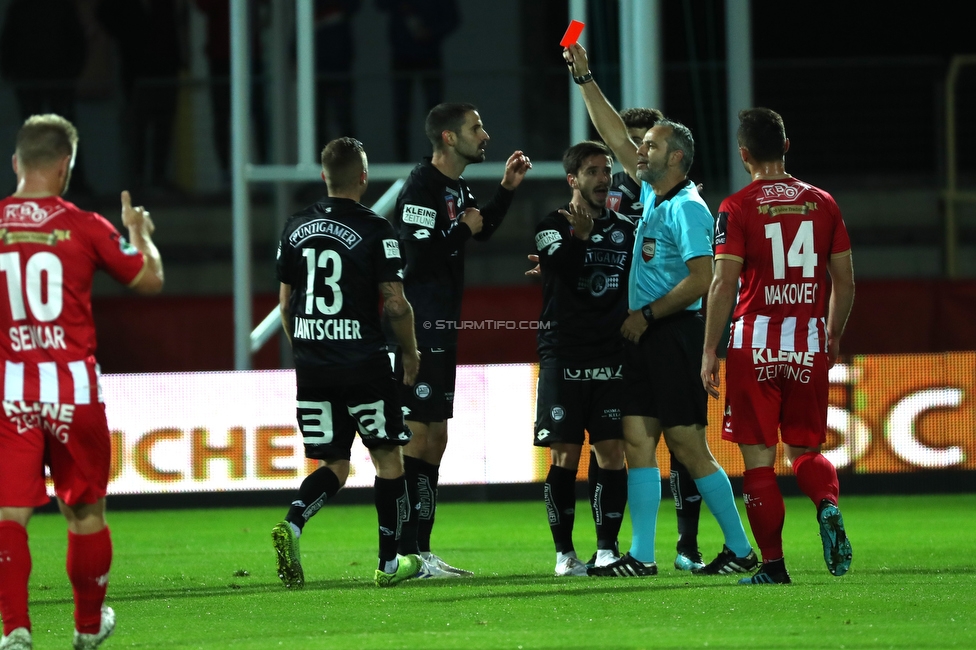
572, 33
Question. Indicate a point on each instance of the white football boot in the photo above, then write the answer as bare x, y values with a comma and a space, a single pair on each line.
567, 564
92, 641
435, 567
18, 639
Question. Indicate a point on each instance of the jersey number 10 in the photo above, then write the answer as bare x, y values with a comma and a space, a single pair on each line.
43, 274
802, 254
331, 281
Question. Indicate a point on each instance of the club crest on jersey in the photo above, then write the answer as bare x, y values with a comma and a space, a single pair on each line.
614, 199
598, 284
617, 237
422, 390
648, 249
451, 206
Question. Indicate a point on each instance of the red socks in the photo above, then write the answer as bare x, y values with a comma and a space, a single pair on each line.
817, 477
15, 568
765, 509
89, 560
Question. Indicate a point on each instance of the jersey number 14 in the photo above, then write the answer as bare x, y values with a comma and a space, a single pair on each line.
802, 253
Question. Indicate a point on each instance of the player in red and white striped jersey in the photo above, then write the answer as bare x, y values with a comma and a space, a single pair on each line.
52, 410
777, 240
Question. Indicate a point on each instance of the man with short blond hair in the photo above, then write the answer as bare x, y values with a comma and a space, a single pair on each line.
52, 409
335, 259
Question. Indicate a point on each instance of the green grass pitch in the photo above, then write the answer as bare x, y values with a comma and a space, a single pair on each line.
179, 581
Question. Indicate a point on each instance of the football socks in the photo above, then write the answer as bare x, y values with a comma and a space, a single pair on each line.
317, 488
408, 537
560, 496
817, 477
14, 574
687, 505
716, 491
608, 506
765, 509
427, 476
390, 495
89, 561
644, 493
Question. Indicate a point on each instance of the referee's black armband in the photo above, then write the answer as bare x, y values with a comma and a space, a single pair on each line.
648, 314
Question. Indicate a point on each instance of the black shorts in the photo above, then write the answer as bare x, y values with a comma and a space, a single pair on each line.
431, 398
569, 400
662, 373
329, 417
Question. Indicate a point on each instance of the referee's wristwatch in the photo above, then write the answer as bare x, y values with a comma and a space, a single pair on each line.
648, 314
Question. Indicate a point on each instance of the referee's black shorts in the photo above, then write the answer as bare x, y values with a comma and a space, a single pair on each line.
662, 373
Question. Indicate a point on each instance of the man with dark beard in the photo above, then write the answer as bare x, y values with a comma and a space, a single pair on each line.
584, 252
436, 214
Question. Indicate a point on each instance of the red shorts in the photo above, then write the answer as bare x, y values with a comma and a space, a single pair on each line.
72, 439
768, 392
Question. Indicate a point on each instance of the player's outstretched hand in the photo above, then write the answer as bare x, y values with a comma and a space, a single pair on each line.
580, 220
136, 217
537, 270
411, 366
575, 57
709, 373
515, 168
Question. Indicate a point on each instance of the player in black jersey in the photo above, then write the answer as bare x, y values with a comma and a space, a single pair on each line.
584, 253
335, 258
436, 214
624, 197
